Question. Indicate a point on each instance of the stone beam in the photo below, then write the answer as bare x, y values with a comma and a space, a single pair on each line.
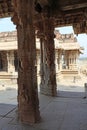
72, 4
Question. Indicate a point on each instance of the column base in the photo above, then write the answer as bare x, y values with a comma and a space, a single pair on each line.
29, 116
48, 90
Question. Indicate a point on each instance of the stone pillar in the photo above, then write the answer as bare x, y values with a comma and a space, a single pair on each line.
41, 50
10, 61
28, 103
65, 60
59, 60
4, 62
75, 59
38, 61
41, 59
56, 60
72, 64
68, 60
48, 83
38, 66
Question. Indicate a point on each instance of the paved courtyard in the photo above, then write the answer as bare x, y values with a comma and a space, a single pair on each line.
67, 111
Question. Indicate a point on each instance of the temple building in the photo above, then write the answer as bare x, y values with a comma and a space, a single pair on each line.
67, 51
67, 54
8, 55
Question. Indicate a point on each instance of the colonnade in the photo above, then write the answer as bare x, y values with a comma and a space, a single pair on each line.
28, 102
66, 59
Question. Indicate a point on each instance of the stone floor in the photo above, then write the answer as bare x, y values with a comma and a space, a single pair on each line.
67, 111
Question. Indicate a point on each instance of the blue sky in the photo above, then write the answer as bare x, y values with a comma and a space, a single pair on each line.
7, 25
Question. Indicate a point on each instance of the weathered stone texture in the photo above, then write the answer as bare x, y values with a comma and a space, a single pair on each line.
48, 72
28, 104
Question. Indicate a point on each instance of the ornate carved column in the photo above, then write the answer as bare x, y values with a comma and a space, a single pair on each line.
56, 60
75, 59
41, 58
65, 60
48, 82
70, 60
40, 35
28, 103
38, 62
59, 60
4, 62
10, 60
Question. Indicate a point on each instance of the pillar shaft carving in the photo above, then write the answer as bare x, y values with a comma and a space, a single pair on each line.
10, 61
59, 60
71, 59
48, 80
28, 103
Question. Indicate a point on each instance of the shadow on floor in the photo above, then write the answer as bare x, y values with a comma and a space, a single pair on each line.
68, 111
68, 94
